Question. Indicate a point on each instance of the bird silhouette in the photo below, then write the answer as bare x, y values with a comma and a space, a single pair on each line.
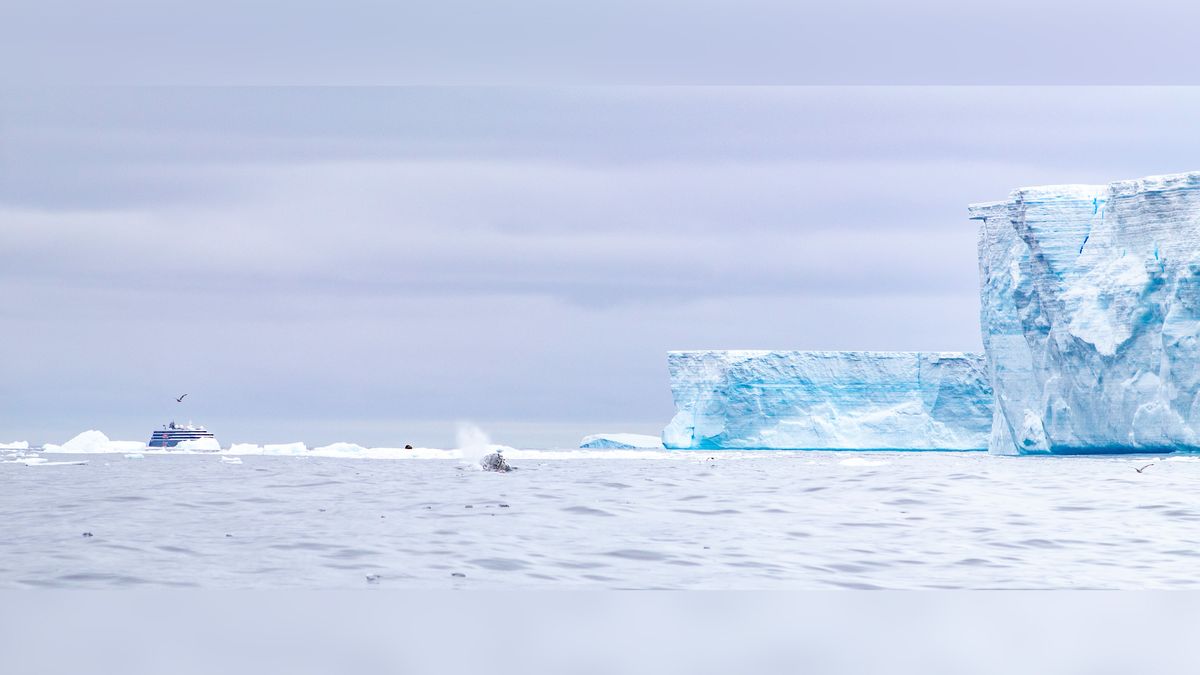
180, 399
1144, 467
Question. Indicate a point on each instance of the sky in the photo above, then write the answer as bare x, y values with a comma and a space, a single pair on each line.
368, 221
626, 42
373, 264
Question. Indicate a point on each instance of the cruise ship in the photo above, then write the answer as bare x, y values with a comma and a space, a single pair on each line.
172, 434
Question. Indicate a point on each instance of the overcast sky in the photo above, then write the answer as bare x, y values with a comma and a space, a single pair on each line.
598, 42
372, 264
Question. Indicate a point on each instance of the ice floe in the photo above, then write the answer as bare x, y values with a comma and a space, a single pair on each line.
42, 461
621, 442
199, 445
93, 442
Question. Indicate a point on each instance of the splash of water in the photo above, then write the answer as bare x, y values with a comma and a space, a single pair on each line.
473, 443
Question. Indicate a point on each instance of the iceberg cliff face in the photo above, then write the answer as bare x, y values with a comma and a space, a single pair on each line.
829, 400
1090, 312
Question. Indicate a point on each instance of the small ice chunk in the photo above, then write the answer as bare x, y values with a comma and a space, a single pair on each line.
225, 459
42, 461
15, 445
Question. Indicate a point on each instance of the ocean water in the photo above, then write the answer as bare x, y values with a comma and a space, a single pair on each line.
744, 520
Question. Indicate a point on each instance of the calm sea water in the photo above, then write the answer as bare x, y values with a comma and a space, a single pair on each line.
740, 520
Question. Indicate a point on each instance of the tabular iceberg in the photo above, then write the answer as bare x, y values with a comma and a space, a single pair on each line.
829, 400
1090, 316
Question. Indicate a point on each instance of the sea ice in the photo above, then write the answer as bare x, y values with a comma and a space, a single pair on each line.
42, 461
340, 449
17, 445
829, 400
1090, 314
621, 441
197, 445
94, 442
298, 449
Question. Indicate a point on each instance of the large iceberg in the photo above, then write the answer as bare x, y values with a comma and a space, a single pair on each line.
829, 400
1090, 316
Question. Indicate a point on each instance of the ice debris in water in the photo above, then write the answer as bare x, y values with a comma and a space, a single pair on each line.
225, 459
42, 461
829, 400
1090, 313
16, 445
621, 442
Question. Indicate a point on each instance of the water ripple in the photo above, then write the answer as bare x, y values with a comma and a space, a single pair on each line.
750, 520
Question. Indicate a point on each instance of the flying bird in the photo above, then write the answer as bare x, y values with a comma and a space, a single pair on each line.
180, 399
1144, 468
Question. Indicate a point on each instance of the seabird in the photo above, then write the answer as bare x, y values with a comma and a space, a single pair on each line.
180, 399
1144, 467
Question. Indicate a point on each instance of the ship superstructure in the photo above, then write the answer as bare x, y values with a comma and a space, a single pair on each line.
173, 434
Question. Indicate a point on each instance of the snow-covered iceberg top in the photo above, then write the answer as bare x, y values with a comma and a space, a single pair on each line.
1090, 313
829, 400
621, 442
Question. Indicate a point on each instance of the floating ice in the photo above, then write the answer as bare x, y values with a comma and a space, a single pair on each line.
621, 441
339, 450
17, 445
93, 442
829, 400
42, 461
226, 459
298, 449
135, 455
198, 445
1090, 312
